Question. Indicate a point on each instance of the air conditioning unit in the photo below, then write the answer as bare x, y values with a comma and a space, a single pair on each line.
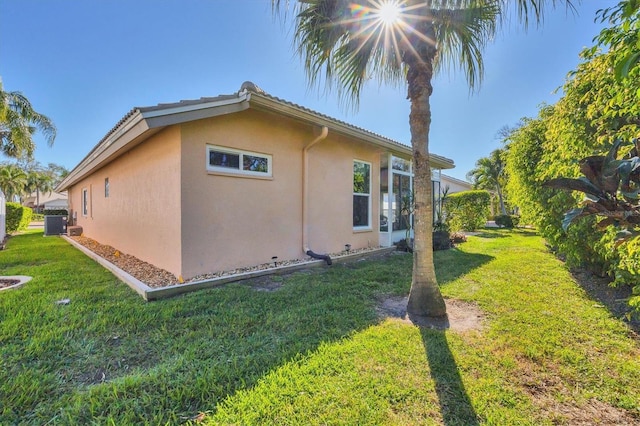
55, 225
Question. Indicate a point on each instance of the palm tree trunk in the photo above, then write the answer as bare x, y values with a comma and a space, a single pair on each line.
425, 298
503, 209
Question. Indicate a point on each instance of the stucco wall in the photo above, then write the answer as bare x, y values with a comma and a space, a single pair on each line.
230, 221
331, 194
141, 216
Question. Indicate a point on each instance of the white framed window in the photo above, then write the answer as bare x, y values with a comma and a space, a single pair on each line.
85, 202
234, 161
106, 187
361, 195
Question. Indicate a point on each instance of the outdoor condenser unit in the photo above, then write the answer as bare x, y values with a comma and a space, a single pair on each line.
55, 225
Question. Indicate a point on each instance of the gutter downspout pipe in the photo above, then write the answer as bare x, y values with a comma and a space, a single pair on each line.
305, 197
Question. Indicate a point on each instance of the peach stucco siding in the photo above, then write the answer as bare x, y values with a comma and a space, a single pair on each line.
165, 208
231, 221
141, 215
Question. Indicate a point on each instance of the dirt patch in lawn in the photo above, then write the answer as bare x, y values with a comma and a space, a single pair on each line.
547, 391
6, 282
461, 316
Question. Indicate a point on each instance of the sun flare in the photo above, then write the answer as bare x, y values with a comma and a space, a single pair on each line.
389, 12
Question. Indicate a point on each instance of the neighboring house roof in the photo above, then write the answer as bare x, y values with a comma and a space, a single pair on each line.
142, 122
45, 197
446, 179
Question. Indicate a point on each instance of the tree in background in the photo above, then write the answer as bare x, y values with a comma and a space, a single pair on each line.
18, 123
489, 174
12, 180
39, 181
345, 43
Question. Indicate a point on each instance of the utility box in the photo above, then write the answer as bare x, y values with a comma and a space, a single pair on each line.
55, 225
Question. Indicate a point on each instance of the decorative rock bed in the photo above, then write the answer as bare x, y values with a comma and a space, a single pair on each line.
153, 283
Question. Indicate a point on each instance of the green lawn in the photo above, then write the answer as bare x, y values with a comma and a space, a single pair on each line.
314, 351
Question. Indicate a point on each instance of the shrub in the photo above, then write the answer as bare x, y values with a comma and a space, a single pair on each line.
467, 210
56, 212
507, 221
18, 217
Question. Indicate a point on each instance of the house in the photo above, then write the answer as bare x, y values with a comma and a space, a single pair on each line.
231, 181
454, 185
47, 201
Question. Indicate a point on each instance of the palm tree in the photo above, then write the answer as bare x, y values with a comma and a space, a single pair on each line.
12, 180
489, 174
346, 42
18, 122
39, 181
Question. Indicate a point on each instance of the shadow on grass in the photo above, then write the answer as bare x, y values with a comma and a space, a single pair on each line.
615, 299
452, 264
455, 404
486, 234
176, 357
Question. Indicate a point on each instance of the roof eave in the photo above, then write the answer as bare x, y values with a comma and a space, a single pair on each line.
308, 116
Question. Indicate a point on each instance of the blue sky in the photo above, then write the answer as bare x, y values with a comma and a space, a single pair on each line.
85, 64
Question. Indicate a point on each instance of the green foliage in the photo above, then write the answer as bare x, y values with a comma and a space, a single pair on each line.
600, 104
18, 217
18, 123
507, 221
623, 36
467, 210
611, 189
489, 174
56, 212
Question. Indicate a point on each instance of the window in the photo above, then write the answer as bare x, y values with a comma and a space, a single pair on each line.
403, 202
106, 187
228, 160
361, 194
85, 202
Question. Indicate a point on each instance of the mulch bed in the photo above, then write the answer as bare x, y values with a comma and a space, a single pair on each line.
6, 282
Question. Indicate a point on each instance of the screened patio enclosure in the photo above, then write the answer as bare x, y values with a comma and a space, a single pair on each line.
396, 189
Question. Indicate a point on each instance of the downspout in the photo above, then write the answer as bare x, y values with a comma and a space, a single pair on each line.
305, 197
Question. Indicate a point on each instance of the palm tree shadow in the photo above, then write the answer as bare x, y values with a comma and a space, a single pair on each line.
455, 404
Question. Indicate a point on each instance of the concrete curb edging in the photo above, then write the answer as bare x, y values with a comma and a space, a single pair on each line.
23, 279
137, 285
155, 293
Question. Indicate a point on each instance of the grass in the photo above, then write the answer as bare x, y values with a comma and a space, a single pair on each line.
314, 351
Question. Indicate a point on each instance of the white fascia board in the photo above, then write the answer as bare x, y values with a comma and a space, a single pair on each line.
133, 127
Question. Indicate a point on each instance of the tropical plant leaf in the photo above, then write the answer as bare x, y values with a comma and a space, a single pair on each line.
570, 216
581, 184
591, 167
606, 222
624, 235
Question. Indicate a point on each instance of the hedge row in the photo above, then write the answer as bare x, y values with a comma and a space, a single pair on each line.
18, 217
467, 210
